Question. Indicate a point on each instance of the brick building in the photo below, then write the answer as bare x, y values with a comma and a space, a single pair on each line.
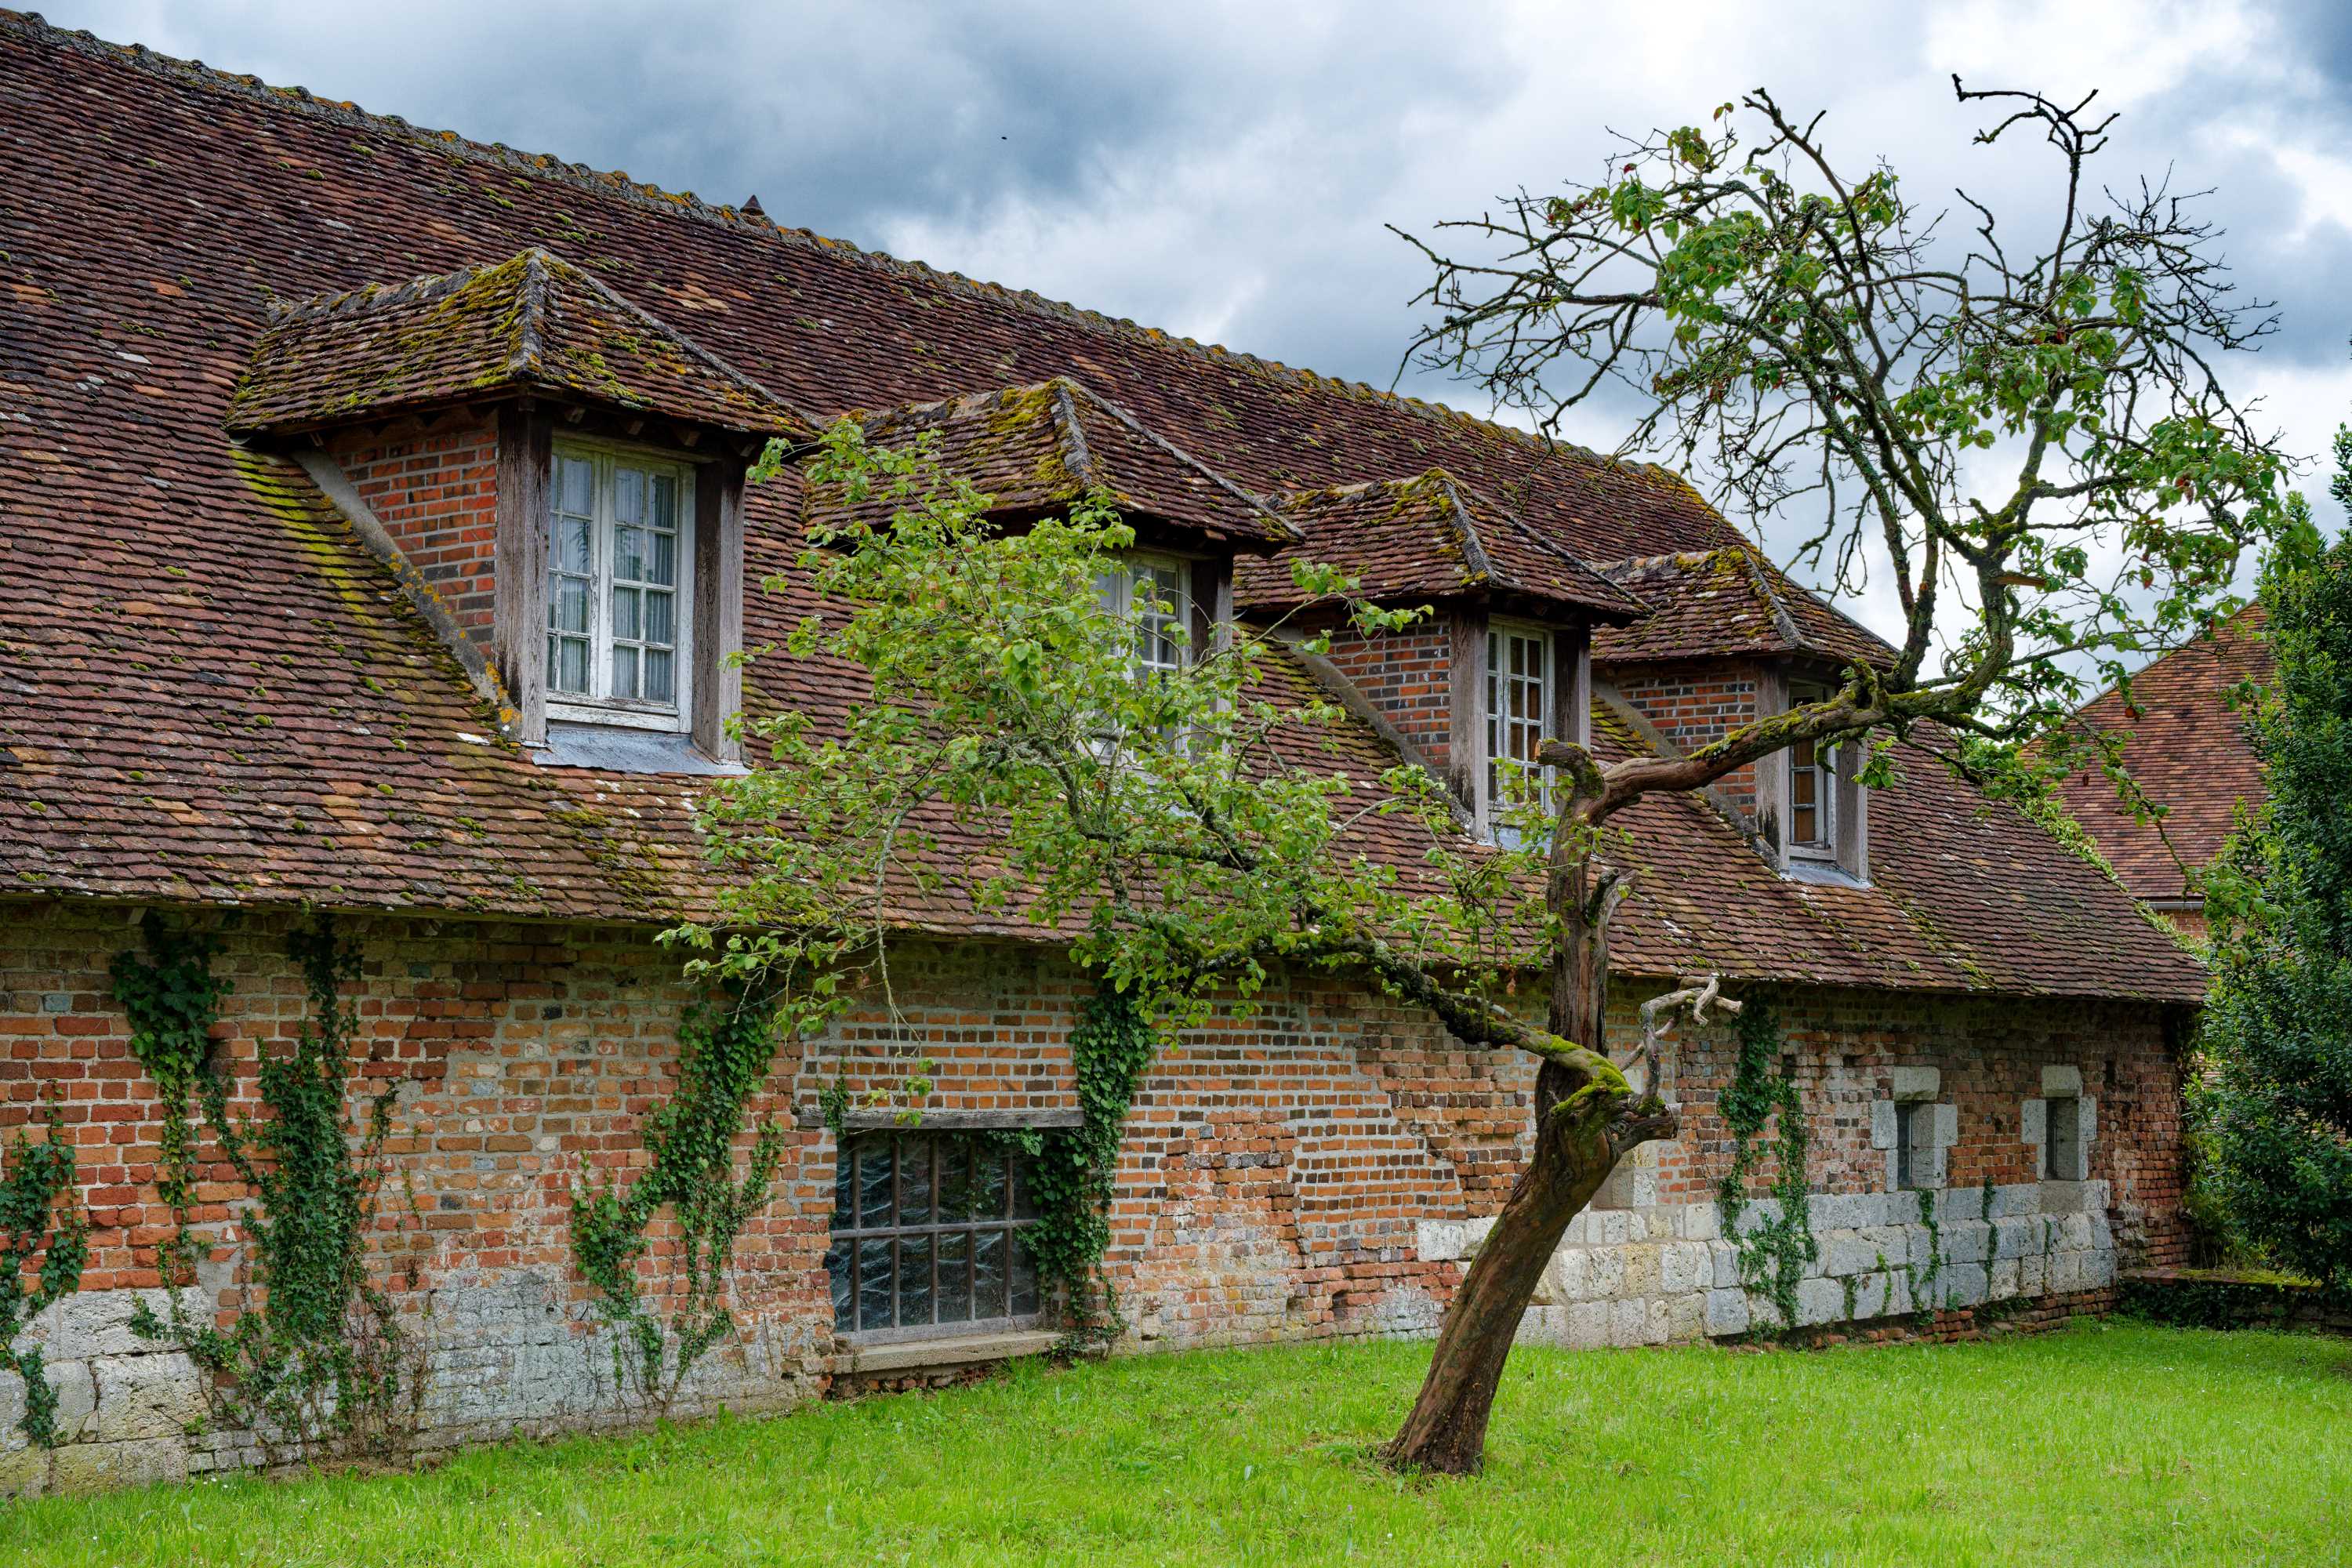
374, 513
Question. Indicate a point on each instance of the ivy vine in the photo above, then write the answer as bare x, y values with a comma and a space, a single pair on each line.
1075, 1170
315, 1359
725, 1048
1774, 1252
37, 1215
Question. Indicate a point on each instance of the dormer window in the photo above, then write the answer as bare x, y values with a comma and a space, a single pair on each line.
1153, 592
1521, 695
619, 570
1812, 792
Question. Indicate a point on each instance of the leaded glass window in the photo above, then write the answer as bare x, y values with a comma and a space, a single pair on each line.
617, 568
927, 1235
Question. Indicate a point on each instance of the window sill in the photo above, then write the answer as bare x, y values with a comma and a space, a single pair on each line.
625, 749
941, 1354
1821, 873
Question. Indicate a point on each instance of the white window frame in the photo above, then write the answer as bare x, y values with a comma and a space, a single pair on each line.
598, 705
1823, 771
1501, 635
1156, 653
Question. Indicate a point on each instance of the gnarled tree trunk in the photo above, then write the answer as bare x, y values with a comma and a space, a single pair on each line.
1586, 1119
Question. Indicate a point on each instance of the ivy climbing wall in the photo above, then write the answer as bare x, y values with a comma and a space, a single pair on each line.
1309, 1165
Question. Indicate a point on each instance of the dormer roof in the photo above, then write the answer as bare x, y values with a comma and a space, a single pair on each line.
1045, 446
1729, 602
533, 323
1427, 537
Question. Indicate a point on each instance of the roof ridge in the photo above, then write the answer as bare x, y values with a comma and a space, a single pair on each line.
1082, 459
617, 182
1465, 526
710, 360
1127, 417
528, 354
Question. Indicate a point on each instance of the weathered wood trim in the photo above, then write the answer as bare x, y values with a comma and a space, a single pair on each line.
1772, 772
1212, 605
1466, 738
1571, 658
717, 608
1852, 822
518, 636
884, 1120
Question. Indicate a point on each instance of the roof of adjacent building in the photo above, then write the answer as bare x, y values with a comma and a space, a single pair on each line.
1426, 537
1043, 447
2188, 752
532, 324
214, 692
1727, 601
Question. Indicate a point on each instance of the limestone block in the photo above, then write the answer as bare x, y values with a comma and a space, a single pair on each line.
1660, 1327
2002, 1282
1922, 1244
1727, 1264
1948, 1126
2061, 1081
99, 1466
1727, 1312
146, 1396
2032, 1274
1881, 1124
2018, 1198
1918, 1083
2034, 1121
1684, 1266
2098, 1269
1605, 1273
1641, 1277
2097, 1197
1629, 1322
1889, 1244
1966, 1240
1963, 1285
2016, 1236
2086, 1110
2062, 1197
25, 1473
77, 1402
1612, 1227
1851, 1252
1580, 1231
1565, 1275
1439, 1240
1685, 1318
2074, 1232
1758, 1212
1872, 1210
2065, 1272
1588, 1325
1700, 1222
1544, 1326
1820, 1302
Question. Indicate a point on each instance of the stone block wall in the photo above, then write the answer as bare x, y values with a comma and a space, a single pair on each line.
1283, 1169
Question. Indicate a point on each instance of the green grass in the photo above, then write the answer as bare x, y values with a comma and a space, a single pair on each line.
2105, 1444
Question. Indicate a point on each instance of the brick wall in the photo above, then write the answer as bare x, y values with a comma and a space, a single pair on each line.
1291, 1169
435, 493
1692, 704
1408, 676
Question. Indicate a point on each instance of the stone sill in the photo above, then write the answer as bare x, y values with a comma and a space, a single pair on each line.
936, 1355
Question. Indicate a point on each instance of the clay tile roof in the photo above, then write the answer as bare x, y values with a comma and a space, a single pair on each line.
1427, 537
1730, 600
211, 692
1042, 447
532, 324
2188, 752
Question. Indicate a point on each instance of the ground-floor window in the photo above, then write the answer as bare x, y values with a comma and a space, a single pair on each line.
927, 1235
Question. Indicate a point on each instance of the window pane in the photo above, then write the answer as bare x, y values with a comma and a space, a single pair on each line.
665, 562
915, 1181
1801, 782
567, 604
661, 616
575, 485
955, 1276
625, 618
914, 1280
844, 1288
1805, 830
874, 1184
874, 1284
990, 1197
567, 662
628, 494
570, 546
658, 684
624, 672
988, 1274
1024, 1191
1903, 1146
845, 1185
665, 501
955, 1180
629, 554
1024, 1279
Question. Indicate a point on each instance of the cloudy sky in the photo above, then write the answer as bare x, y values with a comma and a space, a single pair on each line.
1224, 170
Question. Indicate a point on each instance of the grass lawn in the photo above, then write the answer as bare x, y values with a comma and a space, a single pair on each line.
2105, 1444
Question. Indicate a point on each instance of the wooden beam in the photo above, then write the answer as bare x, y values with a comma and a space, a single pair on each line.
1466, 735
718, 606
519, 634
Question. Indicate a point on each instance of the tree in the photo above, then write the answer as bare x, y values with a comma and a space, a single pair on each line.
2278, 1023
1798, 345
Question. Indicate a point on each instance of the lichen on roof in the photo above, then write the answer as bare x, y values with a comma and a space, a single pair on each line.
531, 323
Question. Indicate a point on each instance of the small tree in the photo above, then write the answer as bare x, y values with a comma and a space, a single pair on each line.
2278, 1023
1798, 345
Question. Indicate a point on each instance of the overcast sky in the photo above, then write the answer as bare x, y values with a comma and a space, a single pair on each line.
1224, 171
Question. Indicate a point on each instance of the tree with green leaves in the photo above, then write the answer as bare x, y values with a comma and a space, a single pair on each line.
2031, 447
2278, 1023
